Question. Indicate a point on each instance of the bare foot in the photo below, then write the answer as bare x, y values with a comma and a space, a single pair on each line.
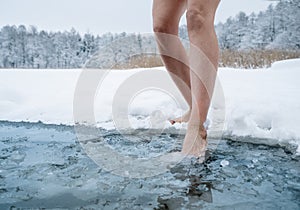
195, 142
184, 118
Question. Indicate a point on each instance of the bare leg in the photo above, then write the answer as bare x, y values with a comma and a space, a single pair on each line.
203, 64
166, 17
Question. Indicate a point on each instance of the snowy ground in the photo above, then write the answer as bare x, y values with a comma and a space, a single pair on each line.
262, 103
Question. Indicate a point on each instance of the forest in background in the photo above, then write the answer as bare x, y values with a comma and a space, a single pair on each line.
248, 41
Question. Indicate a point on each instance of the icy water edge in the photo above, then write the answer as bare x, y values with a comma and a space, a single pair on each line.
44, 167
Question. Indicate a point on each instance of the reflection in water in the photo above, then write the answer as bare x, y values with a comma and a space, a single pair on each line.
200, 189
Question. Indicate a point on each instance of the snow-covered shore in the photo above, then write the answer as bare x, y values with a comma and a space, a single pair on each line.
262, 103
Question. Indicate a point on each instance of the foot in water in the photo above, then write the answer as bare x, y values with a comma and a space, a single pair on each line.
184, 118
195, 142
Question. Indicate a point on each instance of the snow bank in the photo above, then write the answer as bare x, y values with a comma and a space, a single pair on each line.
262, 103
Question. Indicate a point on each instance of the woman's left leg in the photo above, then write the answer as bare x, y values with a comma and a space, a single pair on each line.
204, 53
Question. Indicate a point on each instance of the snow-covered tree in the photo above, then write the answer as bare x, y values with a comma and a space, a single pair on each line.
25, 47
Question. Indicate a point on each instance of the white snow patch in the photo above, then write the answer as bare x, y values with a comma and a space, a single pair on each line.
263, 103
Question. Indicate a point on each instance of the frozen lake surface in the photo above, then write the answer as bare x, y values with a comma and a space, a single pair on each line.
43, 166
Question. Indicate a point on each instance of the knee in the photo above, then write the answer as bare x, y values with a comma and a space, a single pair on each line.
164, 27
196, 19
159, 28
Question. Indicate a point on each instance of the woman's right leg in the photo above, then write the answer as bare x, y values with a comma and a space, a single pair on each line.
166, 17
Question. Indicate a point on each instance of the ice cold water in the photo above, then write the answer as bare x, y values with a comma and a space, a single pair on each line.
43, 166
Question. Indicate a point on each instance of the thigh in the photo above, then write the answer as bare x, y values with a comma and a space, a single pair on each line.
168, 12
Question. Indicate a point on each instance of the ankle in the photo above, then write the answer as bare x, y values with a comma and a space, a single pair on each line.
197, 125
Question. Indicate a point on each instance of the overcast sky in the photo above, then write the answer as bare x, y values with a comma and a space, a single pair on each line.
100, 16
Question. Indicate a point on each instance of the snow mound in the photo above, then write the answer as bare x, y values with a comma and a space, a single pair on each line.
261, 103
286, 64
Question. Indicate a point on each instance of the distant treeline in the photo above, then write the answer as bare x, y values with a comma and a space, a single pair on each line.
276, 29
